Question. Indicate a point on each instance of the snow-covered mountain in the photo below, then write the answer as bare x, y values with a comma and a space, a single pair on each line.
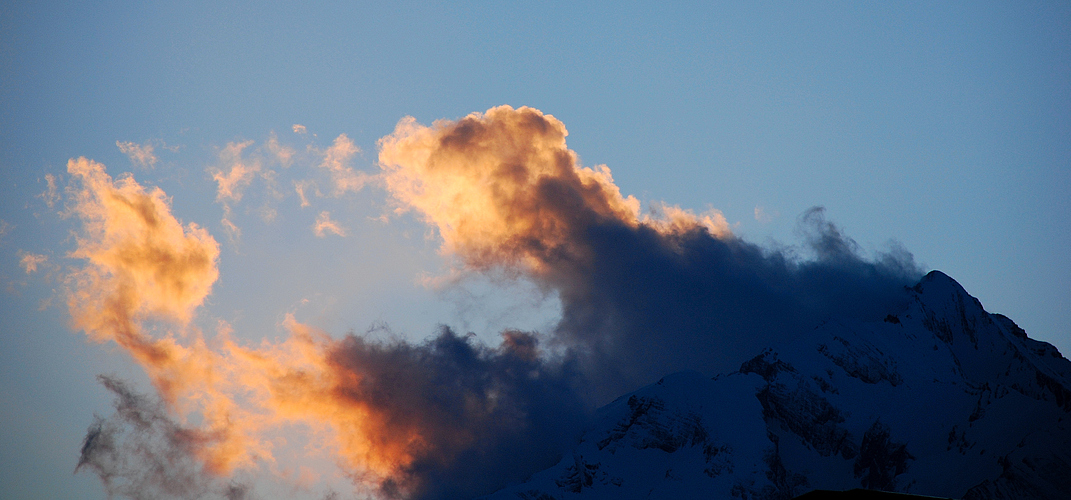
941, 398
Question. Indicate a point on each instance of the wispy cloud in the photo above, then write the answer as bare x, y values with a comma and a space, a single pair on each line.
234, 173
300, 187
299, 129
30, 261
50, 196
283, 154
232, 176
139, 257
325, 225
140, 154
336, 161
764, 217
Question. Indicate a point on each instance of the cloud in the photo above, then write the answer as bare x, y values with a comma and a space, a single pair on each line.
336, 159
501, 187
234, 175
641, 296
672, 219
283, 154
299, 129
764, 217
140, 154
300, 187
142, 452
30, 261
441, 419
465, 418
50, 196
140, 259
324, 225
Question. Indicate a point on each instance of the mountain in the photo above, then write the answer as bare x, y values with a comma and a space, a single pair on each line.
940, 398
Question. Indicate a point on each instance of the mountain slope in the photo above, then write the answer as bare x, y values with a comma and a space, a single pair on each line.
940, 398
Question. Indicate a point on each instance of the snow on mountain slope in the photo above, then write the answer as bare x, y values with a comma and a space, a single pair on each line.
941, 398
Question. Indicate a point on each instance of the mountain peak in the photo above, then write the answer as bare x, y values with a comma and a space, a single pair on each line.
937, 281
941, 399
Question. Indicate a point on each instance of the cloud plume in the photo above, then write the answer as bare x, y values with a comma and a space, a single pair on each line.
414, 420
642, 295
142, 452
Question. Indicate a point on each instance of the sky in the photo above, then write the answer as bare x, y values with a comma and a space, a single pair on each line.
319, 172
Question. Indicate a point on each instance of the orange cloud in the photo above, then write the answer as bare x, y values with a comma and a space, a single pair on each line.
30, 261
502, 188
50, 195
503, 191
235, 175
336, 161
239, 173
284, 154
324, 225
142, 264
376, 407
672, 219
139, 256
140, 154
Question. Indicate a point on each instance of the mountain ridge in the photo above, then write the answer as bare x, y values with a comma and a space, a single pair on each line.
938, 398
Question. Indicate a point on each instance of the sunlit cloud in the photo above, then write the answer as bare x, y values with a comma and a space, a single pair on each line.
325, 225
641, 295
232, 177
378, 408
139, 258
299, 129
50, 196
300, 187
336, 161
672, 219
283, 154
501, 187
505, 194
30, 261
234, 173
140, 154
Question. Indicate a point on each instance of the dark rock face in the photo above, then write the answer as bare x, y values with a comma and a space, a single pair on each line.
649, 426
880, 460
862, 361
940, 398
809, 416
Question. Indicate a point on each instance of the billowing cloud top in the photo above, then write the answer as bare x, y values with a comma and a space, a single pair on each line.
641, 296
138, 254
501, 187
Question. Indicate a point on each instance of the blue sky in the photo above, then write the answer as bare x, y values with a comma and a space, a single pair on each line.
946, 128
